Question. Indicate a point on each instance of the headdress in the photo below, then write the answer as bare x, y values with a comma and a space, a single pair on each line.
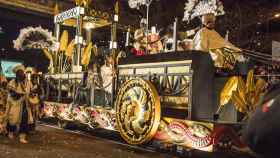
18, 67
29, 70
196, 8
34, 38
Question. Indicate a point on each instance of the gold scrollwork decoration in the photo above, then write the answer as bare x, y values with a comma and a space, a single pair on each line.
138, 111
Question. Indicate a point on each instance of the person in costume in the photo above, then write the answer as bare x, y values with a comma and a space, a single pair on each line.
3, 101
3, 91
139, 38
18, 111
207, 39
107, 78
34, 90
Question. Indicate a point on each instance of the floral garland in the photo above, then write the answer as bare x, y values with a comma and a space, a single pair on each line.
35, 38
196, 8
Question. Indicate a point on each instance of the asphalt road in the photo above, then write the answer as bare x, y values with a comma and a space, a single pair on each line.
50, 142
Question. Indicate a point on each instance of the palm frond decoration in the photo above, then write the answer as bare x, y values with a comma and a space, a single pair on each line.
64, 41
117, 8
250, 82
86, 55
84, 3
56, 9
78, 2
35, 38
70, 49
244, 95
50, 56
229, 87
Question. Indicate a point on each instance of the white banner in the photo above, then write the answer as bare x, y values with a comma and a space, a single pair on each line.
72, 13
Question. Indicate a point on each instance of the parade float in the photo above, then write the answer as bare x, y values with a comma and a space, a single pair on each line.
170, 98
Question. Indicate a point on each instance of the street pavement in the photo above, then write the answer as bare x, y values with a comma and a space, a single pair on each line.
50, 142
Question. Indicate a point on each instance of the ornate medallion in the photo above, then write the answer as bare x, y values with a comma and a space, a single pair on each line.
137, 111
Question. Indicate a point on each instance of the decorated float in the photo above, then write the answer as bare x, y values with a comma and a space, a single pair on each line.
172, 98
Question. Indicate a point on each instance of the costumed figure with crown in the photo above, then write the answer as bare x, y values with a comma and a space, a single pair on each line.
207, 39
243, 94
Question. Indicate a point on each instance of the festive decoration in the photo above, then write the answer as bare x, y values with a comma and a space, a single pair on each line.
64, 40
244, 96
187, 133
229, 87
196, 8
117, 8
87, 54
51, 57
84, 3
35, 38
70, 49
137, 111
204, 136
94, 117
56, 9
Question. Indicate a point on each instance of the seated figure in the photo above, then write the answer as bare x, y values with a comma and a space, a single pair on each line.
139, 34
